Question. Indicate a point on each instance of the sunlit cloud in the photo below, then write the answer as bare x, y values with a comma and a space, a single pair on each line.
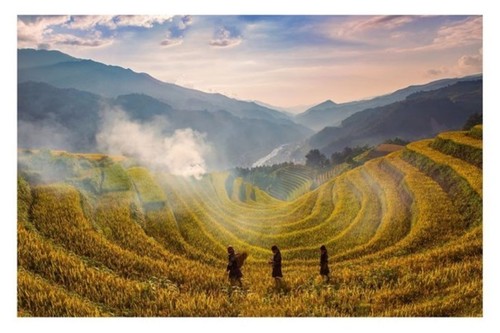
141, 20
84, 22
80, 30
31, 29
467, 64
454, 35
93, 40
225, 38
471, 63
466, 32
368, 24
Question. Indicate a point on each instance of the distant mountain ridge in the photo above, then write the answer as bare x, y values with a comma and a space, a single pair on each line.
329, 113
291, 111
61, 90
63, 71
420, 115
28, 58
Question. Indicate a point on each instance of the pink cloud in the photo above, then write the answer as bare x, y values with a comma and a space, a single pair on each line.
462, 33
371, 23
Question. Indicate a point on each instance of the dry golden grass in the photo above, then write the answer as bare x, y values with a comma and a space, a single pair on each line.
399, 242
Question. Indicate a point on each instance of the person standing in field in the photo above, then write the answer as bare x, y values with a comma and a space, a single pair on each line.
276, 262
233, 268
324, 271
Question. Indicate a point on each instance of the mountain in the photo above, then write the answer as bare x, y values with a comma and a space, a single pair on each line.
63, 71
326, 105
420, 115
70, 119
290, 110
29, 58
329, 113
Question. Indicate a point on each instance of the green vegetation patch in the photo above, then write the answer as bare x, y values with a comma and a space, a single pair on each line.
477, 132
464, 196
460, 145
151, 195
24, 200
115, 179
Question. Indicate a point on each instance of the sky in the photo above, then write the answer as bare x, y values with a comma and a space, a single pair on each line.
282, 60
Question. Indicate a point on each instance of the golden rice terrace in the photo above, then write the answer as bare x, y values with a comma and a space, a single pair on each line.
103, 237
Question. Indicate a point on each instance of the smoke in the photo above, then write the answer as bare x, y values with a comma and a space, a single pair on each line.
45, 134
182, 153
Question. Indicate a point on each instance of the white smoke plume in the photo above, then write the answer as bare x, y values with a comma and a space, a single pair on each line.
183, 153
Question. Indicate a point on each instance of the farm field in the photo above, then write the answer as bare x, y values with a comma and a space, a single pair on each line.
100, 236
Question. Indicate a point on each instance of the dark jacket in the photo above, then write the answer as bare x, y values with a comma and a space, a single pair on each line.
323, 263
232, 267
277, 265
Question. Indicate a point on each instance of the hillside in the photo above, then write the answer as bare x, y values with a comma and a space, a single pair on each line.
63, 71
70, 119
329, 113
29, 58
107, 237
421, 115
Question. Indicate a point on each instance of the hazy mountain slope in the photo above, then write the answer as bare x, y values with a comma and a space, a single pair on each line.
329, 113
69, 119
112, 81
54, 118
421, 115
34, 58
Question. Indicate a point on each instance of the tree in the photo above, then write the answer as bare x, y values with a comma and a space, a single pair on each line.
397, 141
348, 155
315, 159
474, 119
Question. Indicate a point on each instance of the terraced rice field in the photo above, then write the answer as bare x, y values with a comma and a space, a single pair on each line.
403, 232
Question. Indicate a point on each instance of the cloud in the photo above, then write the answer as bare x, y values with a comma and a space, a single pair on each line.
466, 65
85, 22
80, 30
91, 40
170, 40
433, 72
373, 23
468, 60
42, 31
32, 28
471, 63
175, 34
225, 38
182, 153
465, 32
457, 34
185, 22
141, 20
383, 22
